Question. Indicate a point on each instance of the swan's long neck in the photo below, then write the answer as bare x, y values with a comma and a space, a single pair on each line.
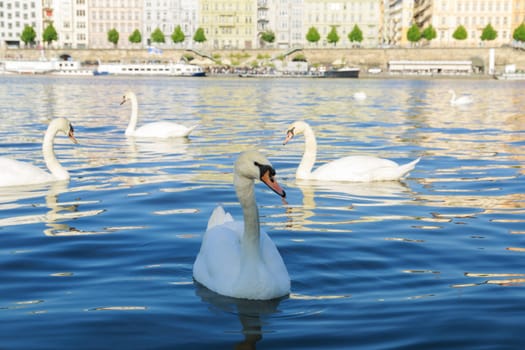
250, 246
134, 116
57, 170
304, 170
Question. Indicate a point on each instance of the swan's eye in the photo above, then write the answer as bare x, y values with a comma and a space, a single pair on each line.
265, 168
71, 129
291, 131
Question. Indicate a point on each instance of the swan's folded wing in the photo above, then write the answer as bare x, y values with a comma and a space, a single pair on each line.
15, 173
218, 217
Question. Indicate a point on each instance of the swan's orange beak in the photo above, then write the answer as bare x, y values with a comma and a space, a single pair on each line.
270, 181
289, 136
71, 135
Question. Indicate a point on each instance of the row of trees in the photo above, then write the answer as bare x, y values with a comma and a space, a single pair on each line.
414, 35
157, 36
50, 34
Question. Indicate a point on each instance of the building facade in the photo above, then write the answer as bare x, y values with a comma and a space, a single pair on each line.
123, 15
474, 16
342, 16
239, 24
15, 15
229, 24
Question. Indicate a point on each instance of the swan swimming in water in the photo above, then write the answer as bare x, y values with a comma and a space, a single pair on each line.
238, 259
158, 129
351, 168
360, 95
461, 100
15, 173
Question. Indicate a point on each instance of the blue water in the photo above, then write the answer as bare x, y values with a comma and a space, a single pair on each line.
104, 261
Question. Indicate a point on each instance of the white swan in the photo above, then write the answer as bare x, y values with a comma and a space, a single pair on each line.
462, 100
237, 259
360, 95
352, 168
158, 129
15, 173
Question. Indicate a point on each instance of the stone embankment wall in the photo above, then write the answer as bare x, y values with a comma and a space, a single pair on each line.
363, 58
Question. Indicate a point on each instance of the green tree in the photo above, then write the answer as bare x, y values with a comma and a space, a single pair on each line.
199, 36
488, 33
460, 33
135, 37
158, 36
28, 35
268, 36
356, 35
50, 34
413, 34
113, 36
178, 35
333, 37
519, 33
429, 33
313, 35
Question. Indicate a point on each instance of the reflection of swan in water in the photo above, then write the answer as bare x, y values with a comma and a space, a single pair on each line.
238, 259
15, 173
351, 168
162, 147
461, 100
162, 129
376, 191
58, 215
250, 313
384, 193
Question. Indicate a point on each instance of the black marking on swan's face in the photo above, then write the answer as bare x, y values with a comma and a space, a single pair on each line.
265, 168
124, 99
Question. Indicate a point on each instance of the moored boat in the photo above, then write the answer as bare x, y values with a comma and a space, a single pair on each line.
150, 68
345, 72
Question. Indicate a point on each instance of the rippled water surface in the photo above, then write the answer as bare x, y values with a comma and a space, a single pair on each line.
104, 261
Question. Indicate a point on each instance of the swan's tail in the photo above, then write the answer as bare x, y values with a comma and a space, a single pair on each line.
190, 130
406, 168
218, 217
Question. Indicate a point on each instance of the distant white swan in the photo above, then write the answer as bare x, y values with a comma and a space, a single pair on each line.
158, 129
359, 95
461, 100
238, 259
15, 173
352, 168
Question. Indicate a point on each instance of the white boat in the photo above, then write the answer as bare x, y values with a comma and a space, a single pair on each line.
29, 66
511, 76
150, 68
44, 66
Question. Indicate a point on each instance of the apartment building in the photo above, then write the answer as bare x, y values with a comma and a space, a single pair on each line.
399, 17
238, 24
518, 13
229, 24
343, 15
166, 15
123, 15
15, 15
70, 19
285, 19
474, 15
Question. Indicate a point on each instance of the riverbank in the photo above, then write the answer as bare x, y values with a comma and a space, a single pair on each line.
362, 58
